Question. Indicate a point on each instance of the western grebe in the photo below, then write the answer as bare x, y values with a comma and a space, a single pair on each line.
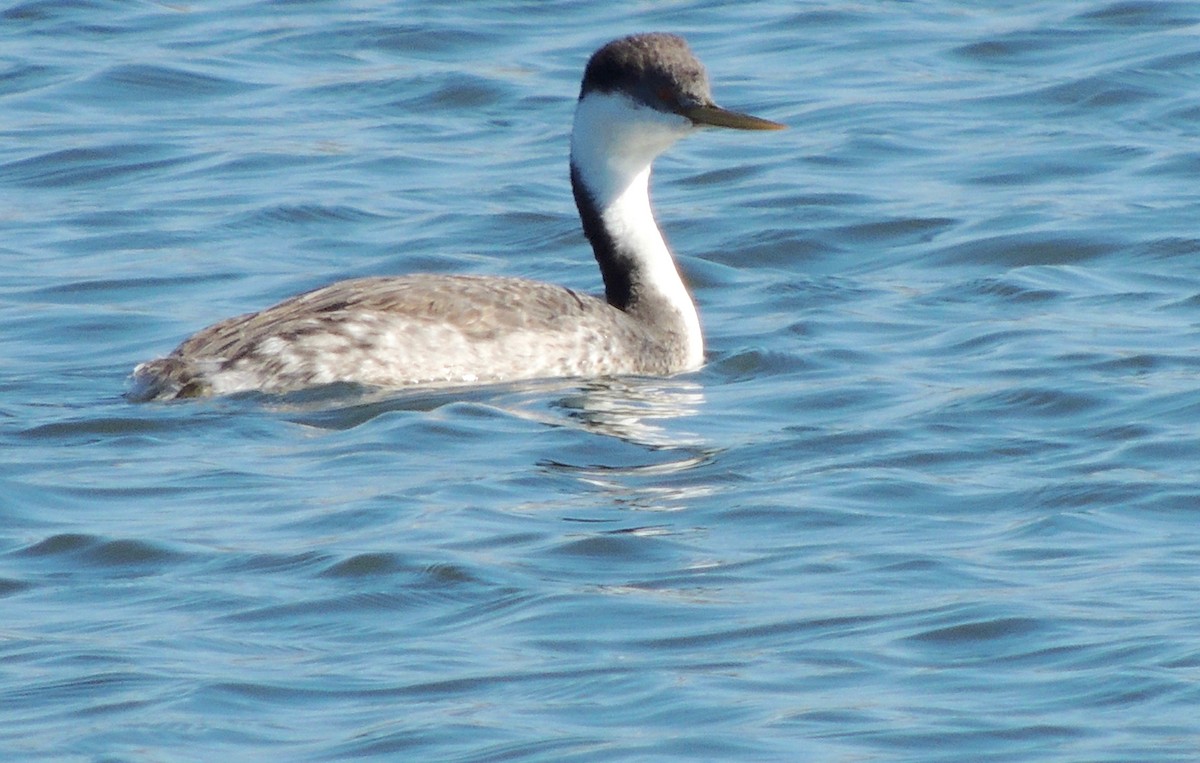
639, 95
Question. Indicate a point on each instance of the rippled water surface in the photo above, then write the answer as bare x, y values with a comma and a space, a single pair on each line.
934, 497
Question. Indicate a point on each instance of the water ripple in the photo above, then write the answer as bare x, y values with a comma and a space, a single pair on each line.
96, 165
158, 83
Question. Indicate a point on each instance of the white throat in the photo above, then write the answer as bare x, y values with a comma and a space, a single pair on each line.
613, 145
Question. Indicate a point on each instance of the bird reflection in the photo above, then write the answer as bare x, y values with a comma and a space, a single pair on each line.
634, 410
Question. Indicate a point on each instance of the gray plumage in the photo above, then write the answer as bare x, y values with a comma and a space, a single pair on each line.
447, 329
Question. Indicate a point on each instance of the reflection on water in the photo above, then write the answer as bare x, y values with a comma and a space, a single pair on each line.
635, 409
632, 409
637, 448
638, 411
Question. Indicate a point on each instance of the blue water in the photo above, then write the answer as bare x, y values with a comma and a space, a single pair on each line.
934, 497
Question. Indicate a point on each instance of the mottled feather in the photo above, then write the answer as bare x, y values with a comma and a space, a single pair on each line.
409, 330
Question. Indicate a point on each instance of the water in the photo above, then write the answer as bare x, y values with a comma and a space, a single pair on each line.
933, 498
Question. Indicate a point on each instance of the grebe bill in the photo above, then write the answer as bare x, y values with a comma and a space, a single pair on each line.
640, 94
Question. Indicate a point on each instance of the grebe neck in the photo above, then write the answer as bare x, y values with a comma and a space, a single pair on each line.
613, 146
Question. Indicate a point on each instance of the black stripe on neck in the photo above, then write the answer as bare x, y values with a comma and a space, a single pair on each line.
614, 266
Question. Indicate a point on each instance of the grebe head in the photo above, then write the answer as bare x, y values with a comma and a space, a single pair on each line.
639, 95
658, 71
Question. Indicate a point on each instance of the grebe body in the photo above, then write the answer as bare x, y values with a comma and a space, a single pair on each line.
640, 94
